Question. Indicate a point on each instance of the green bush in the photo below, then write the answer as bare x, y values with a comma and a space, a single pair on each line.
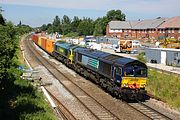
72, 34
61, 41
141, 57
18, 98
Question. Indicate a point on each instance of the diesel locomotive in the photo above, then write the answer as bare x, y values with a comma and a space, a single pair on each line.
123, 77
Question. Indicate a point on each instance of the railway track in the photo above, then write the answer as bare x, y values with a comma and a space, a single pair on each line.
61, 110
92, 105
89, 102
148, 111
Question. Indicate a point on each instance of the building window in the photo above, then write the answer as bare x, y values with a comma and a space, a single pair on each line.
129, 30
169, 31
172, 31
125, 30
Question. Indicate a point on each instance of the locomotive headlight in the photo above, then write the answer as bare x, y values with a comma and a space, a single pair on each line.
143, 85
125, 84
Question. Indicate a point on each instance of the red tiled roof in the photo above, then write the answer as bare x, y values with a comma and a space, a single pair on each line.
171, 23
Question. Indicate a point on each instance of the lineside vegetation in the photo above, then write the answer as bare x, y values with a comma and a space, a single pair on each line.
162, 85
165, 86
18, 98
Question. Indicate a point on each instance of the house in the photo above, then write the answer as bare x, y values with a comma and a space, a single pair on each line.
148, 28
120, 29
170, 28
152, 28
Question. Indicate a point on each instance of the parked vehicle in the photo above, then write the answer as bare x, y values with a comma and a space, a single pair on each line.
128, 46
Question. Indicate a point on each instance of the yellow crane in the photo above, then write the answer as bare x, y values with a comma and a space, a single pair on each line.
171, 43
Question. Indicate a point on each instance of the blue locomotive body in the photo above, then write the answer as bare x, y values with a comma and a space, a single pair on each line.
123, 77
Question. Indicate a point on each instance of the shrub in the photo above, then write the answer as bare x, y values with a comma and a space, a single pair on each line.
141, 57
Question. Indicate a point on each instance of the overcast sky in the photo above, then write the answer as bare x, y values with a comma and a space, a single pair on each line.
38, 12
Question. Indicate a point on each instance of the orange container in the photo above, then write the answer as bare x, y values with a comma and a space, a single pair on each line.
43, 43
32, 37
39, 41
50, 45
35, 38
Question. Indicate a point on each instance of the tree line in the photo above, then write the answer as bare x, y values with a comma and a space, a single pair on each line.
84, 26
9, 45
9, 39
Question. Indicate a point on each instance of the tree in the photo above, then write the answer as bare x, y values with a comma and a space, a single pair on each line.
100, 26
56, 25
98, 30
50, 29
20, 23
8, 47
2, 21
86, 27
75, 23
116, 15
43, 27
66, 25
66, 20
22, 29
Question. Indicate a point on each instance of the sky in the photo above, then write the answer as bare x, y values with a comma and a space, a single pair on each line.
38, 12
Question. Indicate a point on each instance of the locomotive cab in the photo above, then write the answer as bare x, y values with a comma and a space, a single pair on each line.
134, 81
131, 76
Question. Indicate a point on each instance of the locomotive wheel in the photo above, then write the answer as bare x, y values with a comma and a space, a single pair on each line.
102, 83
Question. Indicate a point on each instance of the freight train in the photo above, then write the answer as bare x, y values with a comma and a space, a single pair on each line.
123, 77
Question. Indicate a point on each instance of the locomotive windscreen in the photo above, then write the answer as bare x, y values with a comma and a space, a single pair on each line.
135, 71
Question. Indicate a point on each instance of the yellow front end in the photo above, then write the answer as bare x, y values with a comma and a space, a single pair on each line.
133, 82
70, 56
133, 88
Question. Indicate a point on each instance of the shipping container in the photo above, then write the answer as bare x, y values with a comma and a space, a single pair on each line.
32, 37
35, 38
50, 45
40, 41
44, 43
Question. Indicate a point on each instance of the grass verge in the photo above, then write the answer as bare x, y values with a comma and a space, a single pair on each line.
19, 56
32, 105
20, 100
165, 87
